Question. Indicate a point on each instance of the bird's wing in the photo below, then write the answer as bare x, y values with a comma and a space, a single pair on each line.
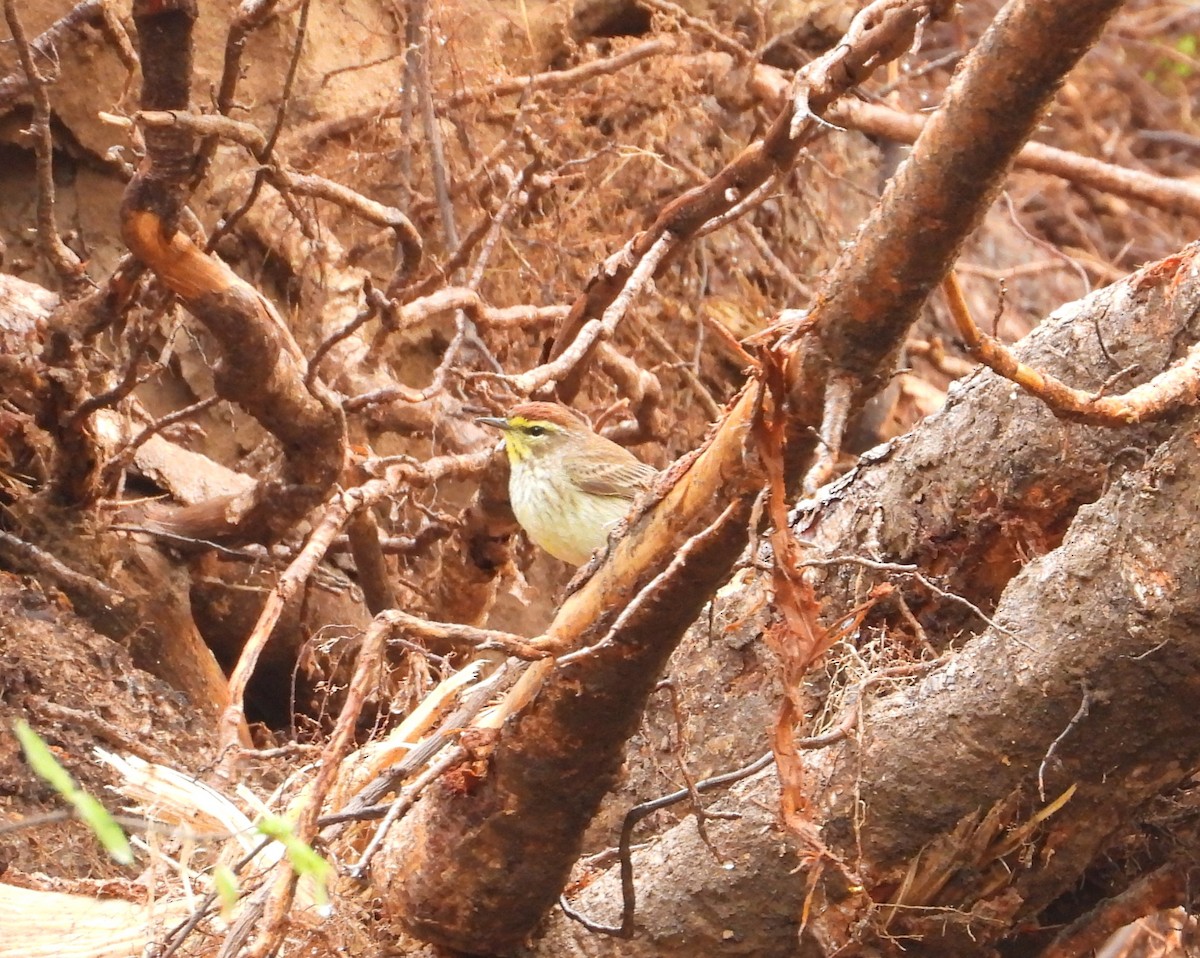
601, 475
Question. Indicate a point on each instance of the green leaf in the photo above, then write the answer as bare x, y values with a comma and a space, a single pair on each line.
104, 826
226, 884
89, 810
306, 862
42, 760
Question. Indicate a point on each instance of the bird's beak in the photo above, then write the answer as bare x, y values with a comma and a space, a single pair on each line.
494, 421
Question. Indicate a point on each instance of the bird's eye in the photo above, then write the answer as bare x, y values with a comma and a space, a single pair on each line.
536, 431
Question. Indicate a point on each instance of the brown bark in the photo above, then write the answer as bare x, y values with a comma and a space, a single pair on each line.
995, 478
1104, 636
479, 865
262, 368
940, 194
1166, 194
1159, 890
1108, 617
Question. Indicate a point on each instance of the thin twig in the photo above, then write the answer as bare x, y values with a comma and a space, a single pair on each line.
420, 310
336, 514
799, 289
409, 248
460, 636
712, 408
373, 305
597, 329
740, 52
563, 79
419, 11
750, 201
123, 456
402, 107
264, 155
701, 813
176, 937
852, 710
1052, 249
1085, 706
139, 345
66, 264
473, 701
915, 572
17, 82
635, 815
365, 679
252, 14
464, 328
97, 726
1171, 390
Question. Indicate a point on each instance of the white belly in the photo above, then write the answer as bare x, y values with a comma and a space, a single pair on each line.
569, 525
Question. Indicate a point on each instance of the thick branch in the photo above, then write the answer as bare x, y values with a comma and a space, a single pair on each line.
553, 764
943, 190
938, 803
1107, 619
262, 368
1009, 476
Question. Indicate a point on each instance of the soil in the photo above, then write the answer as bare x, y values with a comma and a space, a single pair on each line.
620, 147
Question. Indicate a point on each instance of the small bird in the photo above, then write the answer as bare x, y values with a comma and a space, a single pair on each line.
568, 485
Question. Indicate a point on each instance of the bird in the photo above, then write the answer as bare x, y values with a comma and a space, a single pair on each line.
569, 486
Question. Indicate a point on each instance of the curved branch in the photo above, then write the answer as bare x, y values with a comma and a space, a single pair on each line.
262, 368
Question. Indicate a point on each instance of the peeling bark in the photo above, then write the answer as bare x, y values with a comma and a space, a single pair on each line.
262, 368
994, 479
1089, 616
478, 865
947, 767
